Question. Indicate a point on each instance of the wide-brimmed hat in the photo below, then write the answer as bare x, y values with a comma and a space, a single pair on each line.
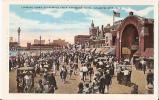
107, 71
24, 72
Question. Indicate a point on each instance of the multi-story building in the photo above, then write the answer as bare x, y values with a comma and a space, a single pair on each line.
36, 41
108, 39
59, 43
135, 36
132, 36
13, 46
82, 40
56, 44
98, 35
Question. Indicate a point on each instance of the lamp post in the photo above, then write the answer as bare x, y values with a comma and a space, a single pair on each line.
19, 30
49, 41
40, 45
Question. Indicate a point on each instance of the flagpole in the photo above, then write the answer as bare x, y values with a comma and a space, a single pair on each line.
113, 19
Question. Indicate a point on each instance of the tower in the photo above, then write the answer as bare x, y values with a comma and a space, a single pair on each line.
92, 24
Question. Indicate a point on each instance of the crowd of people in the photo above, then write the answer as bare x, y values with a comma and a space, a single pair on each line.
95, 70
103, 70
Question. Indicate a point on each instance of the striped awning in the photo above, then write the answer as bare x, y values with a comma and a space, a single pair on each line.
104, 50
98, 50
126, 50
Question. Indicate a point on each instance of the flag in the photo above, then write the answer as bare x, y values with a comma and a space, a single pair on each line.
116, 14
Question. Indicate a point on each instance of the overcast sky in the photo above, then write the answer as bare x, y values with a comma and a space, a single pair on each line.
54, 21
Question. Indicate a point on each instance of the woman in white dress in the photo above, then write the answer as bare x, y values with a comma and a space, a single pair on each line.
81, 72
54, 69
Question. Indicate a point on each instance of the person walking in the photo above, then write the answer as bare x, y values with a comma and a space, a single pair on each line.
150, 77
75, 67
90, 72
81, 72
54, 68
102, 84
71, 70
95, 85
63, 74
27, 80
100, 64
86, 89
52, 86
20, 83
126, 75
119, 78
40, 87
84, 70
46, 87
108, 80
143, 65
134, 89
57, 64
80, 88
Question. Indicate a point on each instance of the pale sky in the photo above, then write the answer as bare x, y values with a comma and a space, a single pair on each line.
64, 21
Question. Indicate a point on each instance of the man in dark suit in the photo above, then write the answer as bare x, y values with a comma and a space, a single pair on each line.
150, 77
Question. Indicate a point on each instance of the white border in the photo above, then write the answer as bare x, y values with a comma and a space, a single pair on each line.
0, 47
156, 74
4, 51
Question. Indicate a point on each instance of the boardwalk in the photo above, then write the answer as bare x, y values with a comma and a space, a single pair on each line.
71, 85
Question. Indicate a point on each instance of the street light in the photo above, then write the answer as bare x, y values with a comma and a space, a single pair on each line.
19, 30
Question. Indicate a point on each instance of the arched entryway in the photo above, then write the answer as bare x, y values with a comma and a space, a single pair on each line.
129, 41
134, 36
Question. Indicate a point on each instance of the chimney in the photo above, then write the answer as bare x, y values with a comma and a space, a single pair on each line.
131, 13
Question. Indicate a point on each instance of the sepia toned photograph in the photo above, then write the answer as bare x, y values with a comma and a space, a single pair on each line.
81, 49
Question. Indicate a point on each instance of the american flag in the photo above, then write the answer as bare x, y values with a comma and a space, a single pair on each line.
116, 14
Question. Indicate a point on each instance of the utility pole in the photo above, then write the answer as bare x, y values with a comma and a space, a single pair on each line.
49, 41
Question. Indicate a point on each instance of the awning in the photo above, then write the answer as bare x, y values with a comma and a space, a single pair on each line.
102, 58
149, 53
111, 51
34, 54
126, 50
104, 50
98, 50
26, 68
93, 50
